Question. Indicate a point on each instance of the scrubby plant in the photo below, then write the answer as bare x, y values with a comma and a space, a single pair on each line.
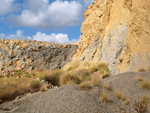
85, 85
12, 87
145, 84
107, 86
120, 95
71, 66
35, 84
142, 105
106, 75
142, 70
53, 77
104, 97
95, 79
127, 102
68, 78
140, 79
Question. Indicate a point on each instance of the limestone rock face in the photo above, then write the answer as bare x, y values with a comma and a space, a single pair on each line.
27, 54
116, 32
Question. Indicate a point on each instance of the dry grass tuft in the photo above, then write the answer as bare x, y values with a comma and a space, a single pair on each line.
95, 79
107, 86
35, 85
10, 88
127, 102
104, 97
142, 105
85, 85
140, 79
53, 76
145, 84
72, 73
120, 95
71, 66
142, 70
69, 78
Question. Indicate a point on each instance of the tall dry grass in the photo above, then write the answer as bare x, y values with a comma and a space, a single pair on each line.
73, 73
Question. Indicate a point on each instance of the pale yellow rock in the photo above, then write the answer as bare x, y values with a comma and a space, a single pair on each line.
116, 32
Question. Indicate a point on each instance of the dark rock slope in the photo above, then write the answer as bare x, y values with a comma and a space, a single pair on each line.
27, 54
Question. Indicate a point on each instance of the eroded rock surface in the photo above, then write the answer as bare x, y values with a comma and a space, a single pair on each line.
117, 32
27, 54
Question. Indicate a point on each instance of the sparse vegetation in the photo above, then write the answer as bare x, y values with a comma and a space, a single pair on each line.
24, 81
142, 70
104, 97
107, 86
127, 102
11, 88
142, 105
95, 79
35, 85
106, 75
86, 85
53, 77
120, 95
145, 84
140, 79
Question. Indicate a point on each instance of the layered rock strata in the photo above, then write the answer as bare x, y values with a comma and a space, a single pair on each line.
116, 32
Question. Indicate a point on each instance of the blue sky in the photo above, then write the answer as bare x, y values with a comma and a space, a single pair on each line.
42, 20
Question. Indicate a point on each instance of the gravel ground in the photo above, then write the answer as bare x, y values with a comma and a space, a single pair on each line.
72, 99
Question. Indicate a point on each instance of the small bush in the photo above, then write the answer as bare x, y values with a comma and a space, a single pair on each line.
53, 77
145, 84
141, 106
35, 85
69, 79
12, 87
86, 85
107, 86
140, 79
142, 70
83, 74
120, 95
28, 76
106, 75
104, 97
95, 79
127, 102
71, 66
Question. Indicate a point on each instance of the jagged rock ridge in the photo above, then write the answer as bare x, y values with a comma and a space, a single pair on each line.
27, 54
116, 32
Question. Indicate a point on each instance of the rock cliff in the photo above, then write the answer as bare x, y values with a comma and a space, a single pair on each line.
116, 32
27, 54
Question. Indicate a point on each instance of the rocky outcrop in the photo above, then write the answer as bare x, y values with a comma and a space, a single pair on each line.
27, 54
116, 32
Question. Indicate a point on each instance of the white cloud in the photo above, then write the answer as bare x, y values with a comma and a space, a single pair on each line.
42, 14
58, 38
19, 35
7, 6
